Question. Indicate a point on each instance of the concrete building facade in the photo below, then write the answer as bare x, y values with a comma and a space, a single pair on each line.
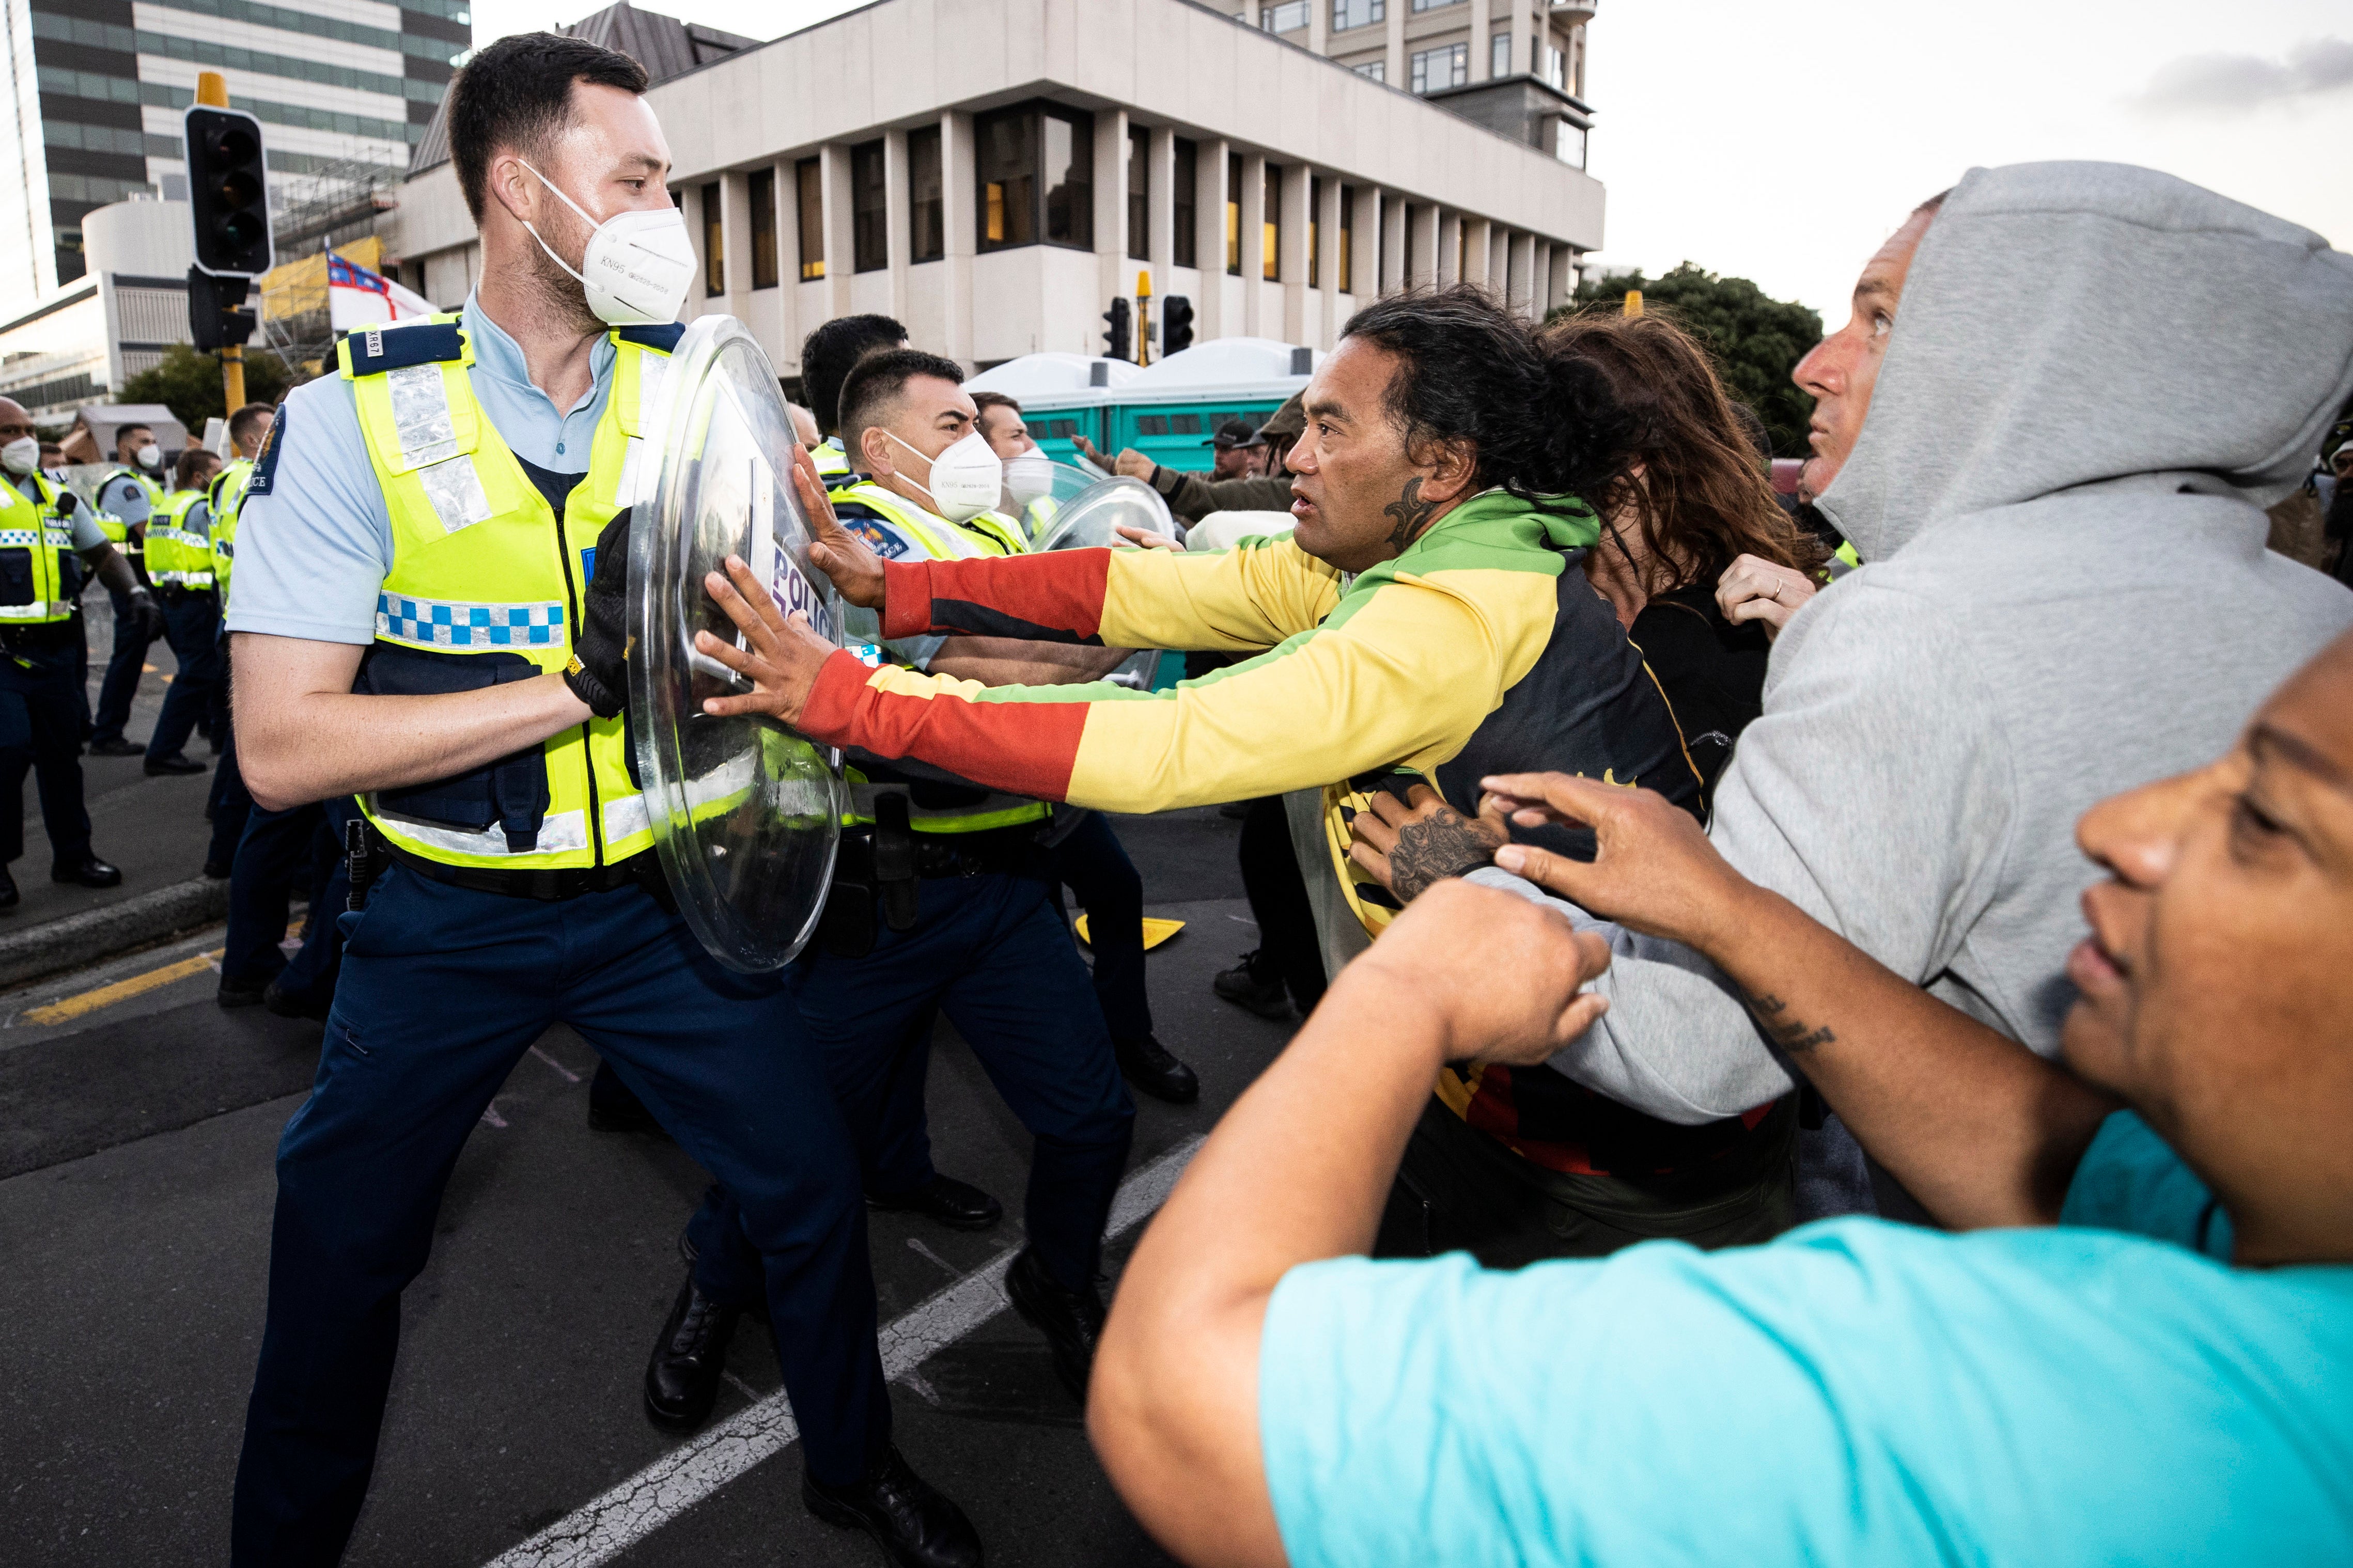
993, 172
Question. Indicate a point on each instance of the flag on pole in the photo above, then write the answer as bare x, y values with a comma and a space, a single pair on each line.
359, 298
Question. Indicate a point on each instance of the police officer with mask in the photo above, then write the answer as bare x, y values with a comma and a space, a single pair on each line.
47, 539
125, 498
414, 618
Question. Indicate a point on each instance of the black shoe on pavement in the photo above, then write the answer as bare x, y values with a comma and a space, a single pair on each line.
89, 872
1072, 1321
287, 1003
177, 763
242, 994
682, 1378
1264, 997
9, 897
959, 1205
1147, 1064
117, 747
915, 1523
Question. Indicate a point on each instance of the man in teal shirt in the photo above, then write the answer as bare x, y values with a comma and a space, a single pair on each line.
2164, 1375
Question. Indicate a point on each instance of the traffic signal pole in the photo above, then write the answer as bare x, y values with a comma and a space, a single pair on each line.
228, 206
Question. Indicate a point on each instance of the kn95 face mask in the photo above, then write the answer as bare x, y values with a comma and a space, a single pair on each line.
150, 456
1028, 476
20, 456
965, 478
638, 265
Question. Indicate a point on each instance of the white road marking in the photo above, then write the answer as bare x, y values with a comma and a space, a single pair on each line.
558, 1066
609, 1525
925, 1253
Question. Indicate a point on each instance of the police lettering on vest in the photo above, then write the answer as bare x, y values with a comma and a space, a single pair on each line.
486, 586
40, 575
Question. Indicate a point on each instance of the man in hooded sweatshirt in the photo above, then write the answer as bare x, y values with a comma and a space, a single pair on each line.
2101, 377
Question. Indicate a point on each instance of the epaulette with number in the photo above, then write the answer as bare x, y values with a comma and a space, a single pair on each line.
374, 349
663, 337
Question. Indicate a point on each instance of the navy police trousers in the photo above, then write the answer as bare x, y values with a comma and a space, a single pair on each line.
442, 990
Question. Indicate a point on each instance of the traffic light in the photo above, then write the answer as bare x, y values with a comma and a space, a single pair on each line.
218, 317
228, 192
1175, 325
1116, 334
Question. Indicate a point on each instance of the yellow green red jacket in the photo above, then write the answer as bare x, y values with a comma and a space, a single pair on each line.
1477, 650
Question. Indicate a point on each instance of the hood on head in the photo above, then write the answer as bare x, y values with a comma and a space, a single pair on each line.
2096, 324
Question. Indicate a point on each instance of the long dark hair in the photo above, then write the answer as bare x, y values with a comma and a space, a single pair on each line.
1674, 450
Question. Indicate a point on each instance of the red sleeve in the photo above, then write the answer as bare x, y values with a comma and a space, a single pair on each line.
1022, 748
1056, 597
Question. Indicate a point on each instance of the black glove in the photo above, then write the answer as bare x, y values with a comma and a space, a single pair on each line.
600, 675
149, 613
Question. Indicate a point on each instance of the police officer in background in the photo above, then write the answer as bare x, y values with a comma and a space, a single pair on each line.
940, 904
414, 621
180, 565
228, 804
826, 356
47, 538
248, 427
125, 497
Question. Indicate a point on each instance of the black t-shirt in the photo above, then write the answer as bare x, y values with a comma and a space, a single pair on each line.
1712, 671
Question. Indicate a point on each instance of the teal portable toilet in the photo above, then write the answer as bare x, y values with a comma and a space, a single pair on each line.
1062, 395
1169, 411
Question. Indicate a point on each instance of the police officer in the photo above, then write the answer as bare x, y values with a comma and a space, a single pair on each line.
228, 804
180, 565
414, 622
125, 497
940, 905
47, 538
827, 355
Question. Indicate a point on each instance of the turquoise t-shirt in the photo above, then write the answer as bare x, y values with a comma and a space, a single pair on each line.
1854, 1391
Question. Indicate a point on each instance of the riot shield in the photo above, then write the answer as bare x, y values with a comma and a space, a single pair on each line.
746, 813
1082, 513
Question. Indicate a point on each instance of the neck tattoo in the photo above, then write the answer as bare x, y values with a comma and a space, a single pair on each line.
1412, 513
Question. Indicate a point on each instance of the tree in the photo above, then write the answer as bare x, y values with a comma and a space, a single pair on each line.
1757, 340
188, 382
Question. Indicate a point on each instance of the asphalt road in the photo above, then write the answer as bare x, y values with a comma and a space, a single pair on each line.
135, 1192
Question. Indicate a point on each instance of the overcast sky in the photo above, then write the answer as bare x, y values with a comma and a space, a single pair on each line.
1781, 140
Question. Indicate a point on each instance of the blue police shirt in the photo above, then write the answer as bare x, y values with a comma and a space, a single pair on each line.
125, 499
1854, 1391
314, 540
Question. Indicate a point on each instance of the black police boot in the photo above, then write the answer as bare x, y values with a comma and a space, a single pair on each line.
915, 1523
288, 1003
1072, 1321
682, 1377
177, 763
117, 747
1240, 986
9, 897
959, 1205
89, 871
241, 992
1147, 1065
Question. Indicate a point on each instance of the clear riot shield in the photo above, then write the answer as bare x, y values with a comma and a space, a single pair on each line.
746, 813
1084, 512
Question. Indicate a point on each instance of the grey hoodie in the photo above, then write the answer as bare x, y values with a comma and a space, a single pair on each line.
2099, 377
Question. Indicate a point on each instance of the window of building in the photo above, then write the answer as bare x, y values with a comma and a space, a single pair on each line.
1139, 194
927, 238
870, 209
1315, 231
1434, 4
1568, 142
1233, 215
1287, 17
1555, 68
762, 188
1347, 279
809, 176
1499, 54
1186, 198
715, 246
1358, 13
1449, 65
1036, 176
1373, 70
1271, 229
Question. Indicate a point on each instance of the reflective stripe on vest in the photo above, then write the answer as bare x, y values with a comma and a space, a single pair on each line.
482, 567
36, 529
177, 556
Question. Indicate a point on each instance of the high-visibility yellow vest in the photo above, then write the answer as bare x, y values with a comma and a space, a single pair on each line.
228, 493
178, 556
928, 811
832, 461
487, 584
40, 575
117, 531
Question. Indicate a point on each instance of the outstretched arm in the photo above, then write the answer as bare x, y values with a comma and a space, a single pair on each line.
1173, 1405
1977, 1127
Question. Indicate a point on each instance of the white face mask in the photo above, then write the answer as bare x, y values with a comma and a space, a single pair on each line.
21, 456
1028, 476
150, 456
638, 265
965, 478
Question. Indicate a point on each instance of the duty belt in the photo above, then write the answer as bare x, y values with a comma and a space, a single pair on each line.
639, 870
1000, 852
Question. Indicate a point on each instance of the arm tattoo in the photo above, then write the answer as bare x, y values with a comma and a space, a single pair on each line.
1431, 852
1411, 513
1791, 1034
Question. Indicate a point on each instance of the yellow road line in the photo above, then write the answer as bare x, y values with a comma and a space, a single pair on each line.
72, 1007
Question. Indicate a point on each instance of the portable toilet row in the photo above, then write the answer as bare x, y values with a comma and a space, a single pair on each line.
1169, 411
